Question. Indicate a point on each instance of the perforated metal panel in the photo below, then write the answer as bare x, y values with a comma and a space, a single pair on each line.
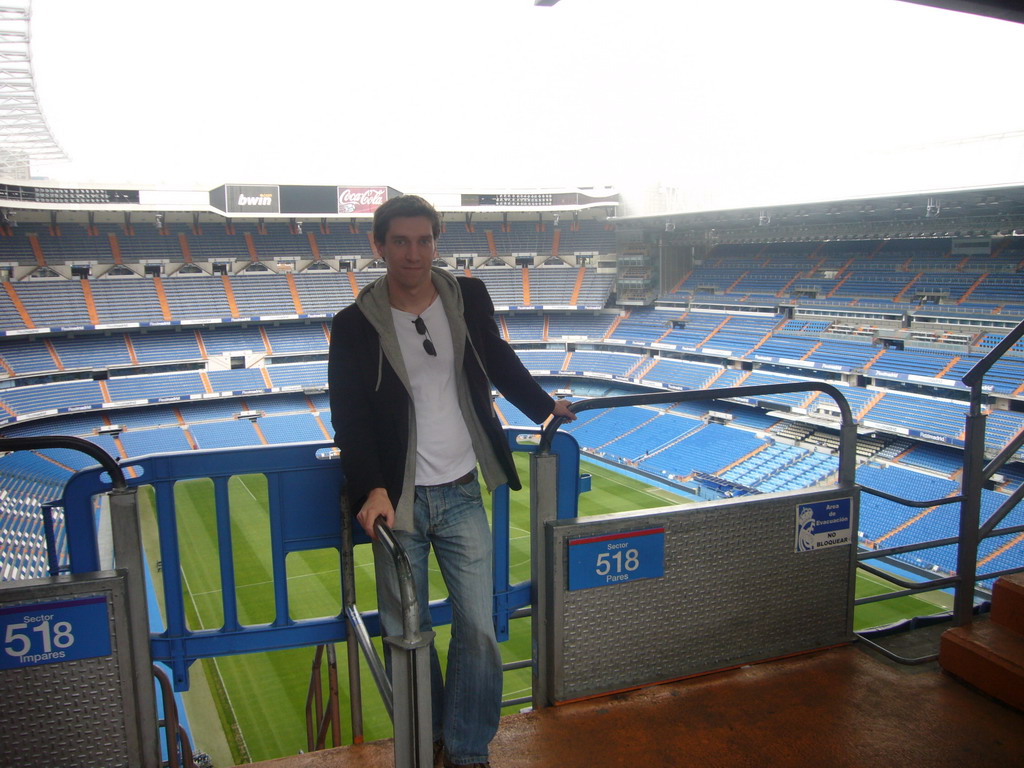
735, 590
78, 713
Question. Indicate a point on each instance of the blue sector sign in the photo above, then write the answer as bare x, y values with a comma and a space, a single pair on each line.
598, 561
54, 632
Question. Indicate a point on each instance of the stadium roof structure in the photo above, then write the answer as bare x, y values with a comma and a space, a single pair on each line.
1007, 10
24, 135
962, 213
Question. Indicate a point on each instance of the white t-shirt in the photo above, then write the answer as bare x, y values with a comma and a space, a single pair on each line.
444, 449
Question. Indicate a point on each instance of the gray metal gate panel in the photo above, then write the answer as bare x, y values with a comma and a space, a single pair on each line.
735, 590
78, 713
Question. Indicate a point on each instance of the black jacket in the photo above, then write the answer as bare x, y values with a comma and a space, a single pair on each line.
370, 404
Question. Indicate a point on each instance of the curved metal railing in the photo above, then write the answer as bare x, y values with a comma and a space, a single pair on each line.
847, 428
103, 458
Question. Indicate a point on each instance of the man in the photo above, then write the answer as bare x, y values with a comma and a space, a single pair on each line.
410, 372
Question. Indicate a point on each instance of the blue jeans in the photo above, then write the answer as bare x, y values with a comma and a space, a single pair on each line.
467, 706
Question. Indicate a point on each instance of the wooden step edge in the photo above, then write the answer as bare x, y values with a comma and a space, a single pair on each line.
988, 657
1008, 602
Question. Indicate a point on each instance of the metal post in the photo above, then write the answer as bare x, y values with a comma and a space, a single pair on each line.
970, 512
974, 456
51, 539
410, 666
410, 681
543, 507
127, 538
334, 705
348, 599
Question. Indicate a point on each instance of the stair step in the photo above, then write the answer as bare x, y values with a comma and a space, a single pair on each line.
988, 656
1008, 602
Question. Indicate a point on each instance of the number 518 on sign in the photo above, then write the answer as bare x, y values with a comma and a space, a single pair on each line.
598, 561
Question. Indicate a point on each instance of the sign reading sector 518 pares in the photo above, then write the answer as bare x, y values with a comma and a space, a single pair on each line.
615, 558
251, 198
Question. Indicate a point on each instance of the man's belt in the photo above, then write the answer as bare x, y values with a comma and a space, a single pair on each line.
466, 478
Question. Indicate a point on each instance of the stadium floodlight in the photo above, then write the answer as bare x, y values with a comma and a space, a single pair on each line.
24, 135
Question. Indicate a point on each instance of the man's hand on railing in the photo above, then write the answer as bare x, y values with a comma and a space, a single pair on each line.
377, 505
562, 410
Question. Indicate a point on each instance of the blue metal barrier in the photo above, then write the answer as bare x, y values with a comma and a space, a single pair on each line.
304, 482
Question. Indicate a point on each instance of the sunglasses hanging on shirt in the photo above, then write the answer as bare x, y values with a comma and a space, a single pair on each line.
421, 329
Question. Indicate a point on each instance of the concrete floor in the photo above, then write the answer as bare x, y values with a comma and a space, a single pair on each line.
841, 708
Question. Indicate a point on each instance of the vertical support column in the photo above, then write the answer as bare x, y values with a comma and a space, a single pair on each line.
847, 447
50, 535
543, 508
127, 540
970, 512
410, 680
348, 600
334, 703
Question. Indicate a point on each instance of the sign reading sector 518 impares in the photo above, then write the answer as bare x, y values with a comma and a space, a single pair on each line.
823, 524
54, 632
614, 558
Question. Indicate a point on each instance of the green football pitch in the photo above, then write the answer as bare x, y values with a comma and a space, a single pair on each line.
251, 707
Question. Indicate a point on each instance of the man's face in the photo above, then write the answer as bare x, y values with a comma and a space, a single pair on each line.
408, 250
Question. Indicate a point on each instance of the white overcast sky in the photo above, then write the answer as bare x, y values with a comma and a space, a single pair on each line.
727, 102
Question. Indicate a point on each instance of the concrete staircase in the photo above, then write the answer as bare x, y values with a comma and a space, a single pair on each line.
989, 652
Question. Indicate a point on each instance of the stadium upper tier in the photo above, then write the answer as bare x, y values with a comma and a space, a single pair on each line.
63, 303
39, 260
105, 244
865, 273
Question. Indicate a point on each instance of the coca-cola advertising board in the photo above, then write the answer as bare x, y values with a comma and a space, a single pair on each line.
361, 199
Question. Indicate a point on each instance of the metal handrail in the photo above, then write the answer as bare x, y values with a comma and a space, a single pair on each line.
973, 377
847, 428
410, 613
406, 585
103, 458
176, 740
911, 502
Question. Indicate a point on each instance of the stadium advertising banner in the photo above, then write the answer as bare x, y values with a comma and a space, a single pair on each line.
307, 200
261, 199
537, 199
253, 199
361, 199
